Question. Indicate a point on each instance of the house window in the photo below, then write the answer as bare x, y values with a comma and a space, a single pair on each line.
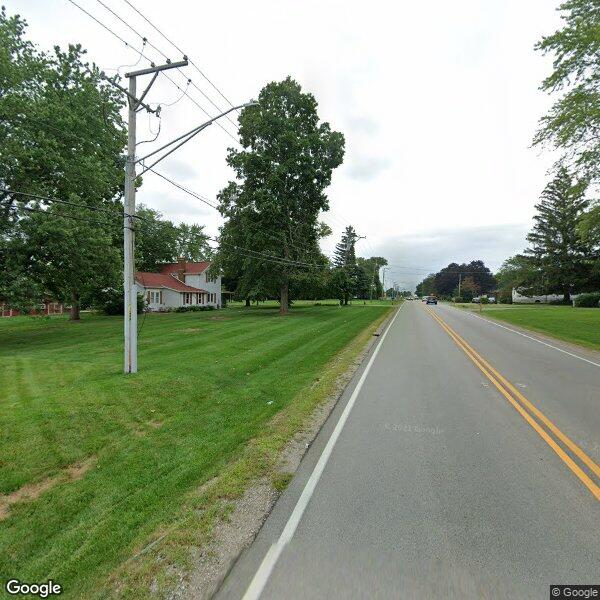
198, 297
187, 297
154, 297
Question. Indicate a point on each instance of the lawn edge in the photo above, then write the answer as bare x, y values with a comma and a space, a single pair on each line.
593, 349
190, 558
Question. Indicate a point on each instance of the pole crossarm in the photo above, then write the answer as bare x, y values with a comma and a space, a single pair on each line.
156, 69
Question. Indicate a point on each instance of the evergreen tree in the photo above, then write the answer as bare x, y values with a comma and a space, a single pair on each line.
557, 250
345, 254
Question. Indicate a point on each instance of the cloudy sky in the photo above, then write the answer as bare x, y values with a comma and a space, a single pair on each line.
438, 102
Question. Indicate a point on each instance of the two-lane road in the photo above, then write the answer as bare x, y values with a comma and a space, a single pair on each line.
461, 463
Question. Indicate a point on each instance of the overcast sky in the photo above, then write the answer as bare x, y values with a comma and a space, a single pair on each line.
438, 102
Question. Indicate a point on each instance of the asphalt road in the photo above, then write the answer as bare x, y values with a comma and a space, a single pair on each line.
428, 482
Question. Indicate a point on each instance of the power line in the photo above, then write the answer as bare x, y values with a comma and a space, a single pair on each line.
203, 199
107, 28
50, 199
104, 26
73, 217
145, 40
251, 253
179, 50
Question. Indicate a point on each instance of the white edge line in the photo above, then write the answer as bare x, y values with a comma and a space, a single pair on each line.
261, 576
529, 337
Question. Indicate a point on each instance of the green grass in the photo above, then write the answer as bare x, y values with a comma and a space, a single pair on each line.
576, 325
217, 395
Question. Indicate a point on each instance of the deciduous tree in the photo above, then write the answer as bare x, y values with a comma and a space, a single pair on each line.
282, 173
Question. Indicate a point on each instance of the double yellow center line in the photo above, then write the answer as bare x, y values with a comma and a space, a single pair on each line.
547, 430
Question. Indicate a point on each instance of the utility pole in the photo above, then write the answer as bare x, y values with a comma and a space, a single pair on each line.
459, 282
134, 104
373, 282
129, 238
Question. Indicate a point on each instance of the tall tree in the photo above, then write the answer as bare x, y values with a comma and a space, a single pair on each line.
446, 280
556, 248
282, 172
369, 283
61, 136
573, 122
427, 286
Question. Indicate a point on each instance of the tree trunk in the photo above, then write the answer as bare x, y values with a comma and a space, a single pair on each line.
284, 298
566, 296
74, 312
247, 301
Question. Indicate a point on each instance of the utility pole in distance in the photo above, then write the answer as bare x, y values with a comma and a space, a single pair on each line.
459, 282
134, 105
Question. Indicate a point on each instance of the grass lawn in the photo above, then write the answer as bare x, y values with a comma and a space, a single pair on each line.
94, 464
576, 325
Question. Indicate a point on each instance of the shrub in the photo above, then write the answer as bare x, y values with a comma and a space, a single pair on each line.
111, 302
193, 308
505, 297
591, 300
458, 299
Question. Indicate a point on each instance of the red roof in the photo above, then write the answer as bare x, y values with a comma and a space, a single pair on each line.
191, 268
165, 280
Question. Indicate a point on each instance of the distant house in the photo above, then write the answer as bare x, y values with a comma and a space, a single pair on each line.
179, 284
519, 298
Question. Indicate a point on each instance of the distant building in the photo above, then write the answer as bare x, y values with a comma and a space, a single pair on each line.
46, 308
179, 284
519, 298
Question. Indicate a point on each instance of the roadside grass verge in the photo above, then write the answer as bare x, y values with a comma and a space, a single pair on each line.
217, 396
576, 325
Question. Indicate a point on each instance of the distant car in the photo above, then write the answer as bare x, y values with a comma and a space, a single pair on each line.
491, 299
431, 300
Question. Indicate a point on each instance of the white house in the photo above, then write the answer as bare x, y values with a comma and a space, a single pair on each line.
179, 284
519, 298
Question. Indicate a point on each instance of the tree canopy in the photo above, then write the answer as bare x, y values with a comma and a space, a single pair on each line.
61, 136
572, 123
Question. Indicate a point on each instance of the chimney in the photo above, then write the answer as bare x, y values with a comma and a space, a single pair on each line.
181, 269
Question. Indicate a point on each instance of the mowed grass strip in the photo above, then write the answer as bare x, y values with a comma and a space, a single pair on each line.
208, 384
576, 325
